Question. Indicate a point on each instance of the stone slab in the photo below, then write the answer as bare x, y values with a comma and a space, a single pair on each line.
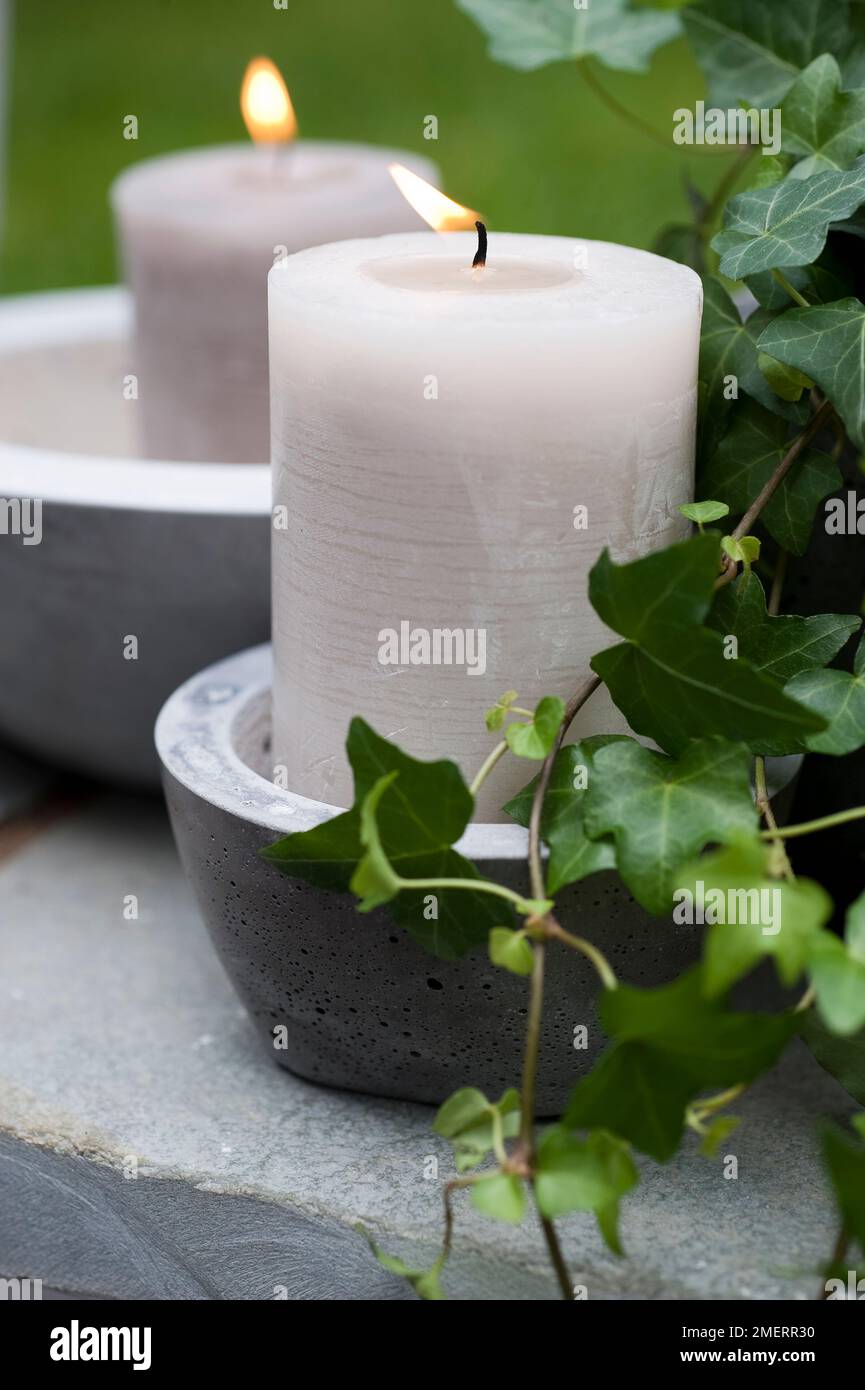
149, 1147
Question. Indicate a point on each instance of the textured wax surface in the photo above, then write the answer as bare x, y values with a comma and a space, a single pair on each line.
429, 451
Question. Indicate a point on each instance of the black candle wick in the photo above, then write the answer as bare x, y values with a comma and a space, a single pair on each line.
481, 253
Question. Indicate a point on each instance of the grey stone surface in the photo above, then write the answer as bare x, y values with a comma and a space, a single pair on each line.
122, 1046
392, 1020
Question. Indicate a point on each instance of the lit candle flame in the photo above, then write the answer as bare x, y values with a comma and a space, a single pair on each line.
441, 212
266, 105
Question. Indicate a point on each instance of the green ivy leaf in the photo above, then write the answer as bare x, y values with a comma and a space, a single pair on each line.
535, 740
461, 1111
671, 1044
510, 950
659, 594
781, 647
745, 551
828, 343
467, 1119
728, 347
821, 124
527, 34
425, 1282
584, 1175
855, 933
845, 1161
843, 1058
781, 918
839, 983
374, 880
745, 461
501, 1196
573, 856
770, 169
838, 974
786, 224
671, 680
704, 512
419, 818
638, 1093
685, 688
785, 381
840, 699
751, 50
661, 811
495, 717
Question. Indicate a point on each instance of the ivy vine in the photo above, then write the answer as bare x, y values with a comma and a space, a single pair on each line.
696, 805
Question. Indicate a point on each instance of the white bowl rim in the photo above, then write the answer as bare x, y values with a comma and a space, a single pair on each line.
32, 321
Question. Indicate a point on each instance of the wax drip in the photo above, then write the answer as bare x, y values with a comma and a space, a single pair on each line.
481, 253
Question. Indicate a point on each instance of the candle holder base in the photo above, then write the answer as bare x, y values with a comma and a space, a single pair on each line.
353, 1001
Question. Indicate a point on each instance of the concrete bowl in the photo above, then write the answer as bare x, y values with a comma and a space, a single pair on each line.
174, 555
353, 1001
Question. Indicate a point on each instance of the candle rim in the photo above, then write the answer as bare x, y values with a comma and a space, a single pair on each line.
325, 274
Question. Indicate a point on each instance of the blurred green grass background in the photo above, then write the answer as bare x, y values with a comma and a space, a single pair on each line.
535, 151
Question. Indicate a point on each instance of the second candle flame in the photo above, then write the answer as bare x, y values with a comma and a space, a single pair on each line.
266, 105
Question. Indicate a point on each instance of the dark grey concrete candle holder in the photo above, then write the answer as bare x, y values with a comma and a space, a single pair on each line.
172, 555
356, 1002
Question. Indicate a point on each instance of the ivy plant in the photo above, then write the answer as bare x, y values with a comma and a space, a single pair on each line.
707, 669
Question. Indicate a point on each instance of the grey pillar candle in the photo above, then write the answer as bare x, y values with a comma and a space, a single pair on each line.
198, 233
434, 430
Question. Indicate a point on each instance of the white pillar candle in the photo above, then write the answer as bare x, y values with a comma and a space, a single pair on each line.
434, 429
198, 233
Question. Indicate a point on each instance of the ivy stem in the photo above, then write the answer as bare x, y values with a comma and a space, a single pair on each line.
579, 943
788, 832
764, 806
806, 1001
472, 885
557, 1259
815, 424
794, 294
702, 1110
536, 993
487, 767
499, 1149
530, 1059
713, 1103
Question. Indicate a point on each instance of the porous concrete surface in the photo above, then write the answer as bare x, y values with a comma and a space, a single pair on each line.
150, 1148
